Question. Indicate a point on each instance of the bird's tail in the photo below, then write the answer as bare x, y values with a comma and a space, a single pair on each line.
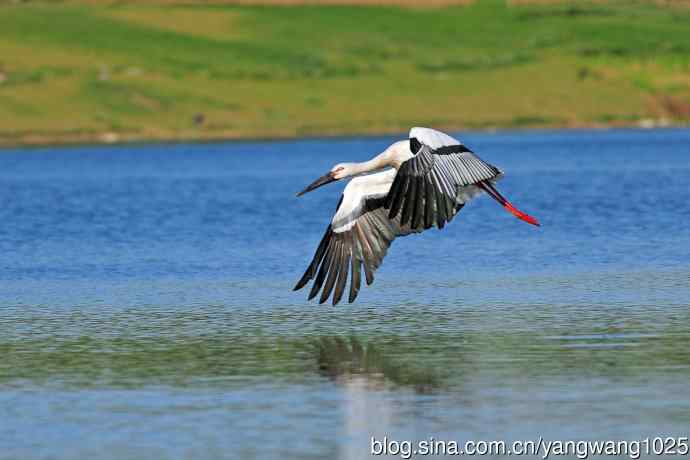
493, 193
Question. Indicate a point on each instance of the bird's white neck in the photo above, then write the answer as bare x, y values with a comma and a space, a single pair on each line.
393, 156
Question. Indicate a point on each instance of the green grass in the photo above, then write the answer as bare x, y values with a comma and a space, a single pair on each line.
74, 72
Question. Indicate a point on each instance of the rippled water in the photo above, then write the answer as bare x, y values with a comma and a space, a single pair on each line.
146, 308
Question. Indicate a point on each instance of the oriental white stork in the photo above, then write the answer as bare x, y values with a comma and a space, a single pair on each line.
424, 182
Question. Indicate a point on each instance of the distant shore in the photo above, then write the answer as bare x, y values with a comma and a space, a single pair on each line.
115, 72
112, 138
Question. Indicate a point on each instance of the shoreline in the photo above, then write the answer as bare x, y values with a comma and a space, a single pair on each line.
152, 73
104, 138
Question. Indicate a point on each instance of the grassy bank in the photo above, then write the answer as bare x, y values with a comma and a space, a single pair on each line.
96, 71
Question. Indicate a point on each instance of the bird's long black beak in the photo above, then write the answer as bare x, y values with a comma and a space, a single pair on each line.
323, 180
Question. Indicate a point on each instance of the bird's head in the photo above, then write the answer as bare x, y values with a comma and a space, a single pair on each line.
337, 172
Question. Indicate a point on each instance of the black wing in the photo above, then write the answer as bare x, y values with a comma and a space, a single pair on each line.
362, 246
433, 185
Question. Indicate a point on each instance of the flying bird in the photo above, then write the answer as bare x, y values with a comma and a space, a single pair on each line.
422, 182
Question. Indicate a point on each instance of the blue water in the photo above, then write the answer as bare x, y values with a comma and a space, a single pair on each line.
146, 308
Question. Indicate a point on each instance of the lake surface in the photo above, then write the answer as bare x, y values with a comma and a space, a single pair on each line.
146, 308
